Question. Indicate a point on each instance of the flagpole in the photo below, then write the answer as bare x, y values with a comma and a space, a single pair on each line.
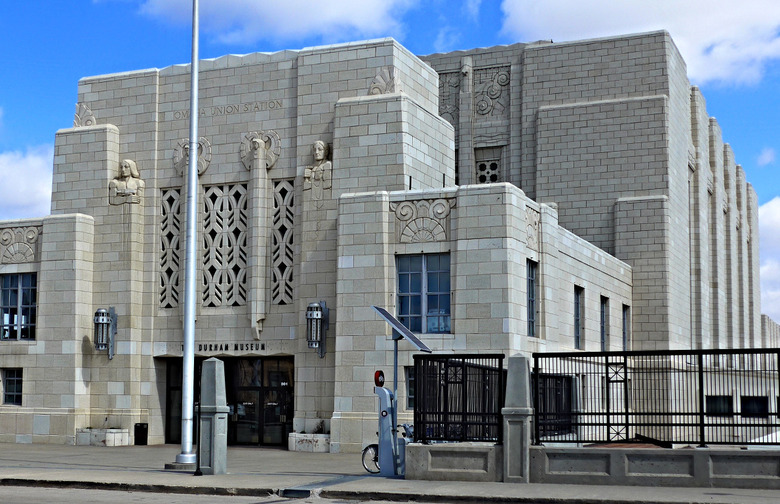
187, 455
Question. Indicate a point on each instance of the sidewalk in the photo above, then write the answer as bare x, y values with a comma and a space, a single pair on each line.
260, 471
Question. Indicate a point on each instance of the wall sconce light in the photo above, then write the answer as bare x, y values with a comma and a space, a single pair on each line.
105, 330
316, 326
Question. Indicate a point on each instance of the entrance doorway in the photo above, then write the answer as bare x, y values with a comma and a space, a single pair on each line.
259, 395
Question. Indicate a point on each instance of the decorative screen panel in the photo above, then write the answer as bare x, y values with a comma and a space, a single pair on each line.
225, 245
282, 243
170, 249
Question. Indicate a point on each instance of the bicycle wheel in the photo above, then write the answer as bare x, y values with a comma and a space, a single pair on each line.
370, 458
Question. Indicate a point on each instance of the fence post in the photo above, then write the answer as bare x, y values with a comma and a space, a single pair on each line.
701, 400
517, 414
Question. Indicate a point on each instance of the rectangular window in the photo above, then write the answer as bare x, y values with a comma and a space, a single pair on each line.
424, 292
604, 326
579, 316
754, 406
626, 326
12, 386
719, 405
531, 268
410, 384
18, 294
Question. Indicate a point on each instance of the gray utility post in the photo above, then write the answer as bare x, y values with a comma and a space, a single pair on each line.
517, 413
213, 418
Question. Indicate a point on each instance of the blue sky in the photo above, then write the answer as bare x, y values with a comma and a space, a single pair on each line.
732, 50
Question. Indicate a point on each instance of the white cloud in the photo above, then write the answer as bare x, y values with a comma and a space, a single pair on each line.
766, 157
472, 8
769, 233
25, 182
247, 21
720, 40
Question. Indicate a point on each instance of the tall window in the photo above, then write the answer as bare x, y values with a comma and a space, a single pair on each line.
531, 267
424, 292
18, 306
410, 384
604, 323
579, 316
12, 386
626, 326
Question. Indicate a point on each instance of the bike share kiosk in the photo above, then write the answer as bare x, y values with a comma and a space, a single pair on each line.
392, 456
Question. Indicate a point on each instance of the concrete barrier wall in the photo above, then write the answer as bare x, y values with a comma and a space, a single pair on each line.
726, 468
454, 462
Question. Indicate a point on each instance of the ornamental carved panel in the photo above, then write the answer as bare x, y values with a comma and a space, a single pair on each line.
532, 218
170, 247
282, 243
19, 245
386, 81
449, 97
225, 245
84, 116
491, 92
422, 220
181, 155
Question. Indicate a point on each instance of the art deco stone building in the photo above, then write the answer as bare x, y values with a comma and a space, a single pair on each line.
532, 197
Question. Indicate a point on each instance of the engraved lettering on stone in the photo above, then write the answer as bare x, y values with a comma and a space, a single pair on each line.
84, 116
317, 177
422, 220
449, 97
170, 240
181, 156
269, 141
225, 245
386, 81
18, 245
127, 187
282, 243
532, 218
491, 98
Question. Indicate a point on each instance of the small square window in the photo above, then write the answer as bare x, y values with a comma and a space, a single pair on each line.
719, 405
754, 406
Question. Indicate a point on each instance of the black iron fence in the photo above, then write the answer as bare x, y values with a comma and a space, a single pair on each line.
458, 397
665, 397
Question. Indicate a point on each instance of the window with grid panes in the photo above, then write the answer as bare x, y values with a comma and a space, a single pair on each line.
12, 386
18, 294
424, 292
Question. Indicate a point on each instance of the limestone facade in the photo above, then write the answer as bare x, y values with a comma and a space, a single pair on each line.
591, 167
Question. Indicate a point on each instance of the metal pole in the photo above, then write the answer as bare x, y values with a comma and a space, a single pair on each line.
188, 358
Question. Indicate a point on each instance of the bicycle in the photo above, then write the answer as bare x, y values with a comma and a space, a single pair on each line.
370, 456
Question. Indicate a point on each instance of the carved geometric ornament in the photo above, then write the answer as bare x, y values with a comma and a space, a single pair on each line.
490, 99
532, 218
84, 116
422, 221
386, 81
18, 245
449, 97
266, 140
181, 156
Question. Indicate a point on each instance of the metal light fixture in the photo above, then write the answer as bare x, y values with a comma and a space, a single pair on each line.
317, 326
105, 330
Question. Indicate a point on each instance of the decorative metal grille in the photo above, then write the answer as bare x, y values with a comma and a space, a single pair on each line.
282, 243
459, 397
225, 246
170, 233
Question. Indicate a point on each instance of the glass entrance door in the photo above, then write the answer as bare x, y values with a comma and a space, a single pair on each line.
244, 417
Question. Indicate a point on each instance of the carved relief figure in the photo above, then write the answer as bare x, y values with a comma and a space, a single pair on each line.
128, 186
317, 177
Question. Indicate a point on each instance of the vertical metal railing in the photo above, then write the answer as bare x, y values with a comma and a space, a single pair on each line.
665, 397
458, 397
